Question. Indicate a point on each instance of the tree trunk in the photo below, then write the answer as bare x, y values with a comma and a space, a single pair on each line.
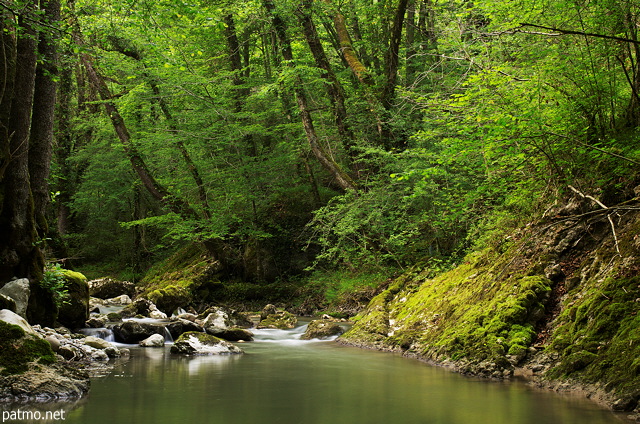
20, 255
65, 181
7, 81
334, 89
347, 50
341, 177
235, 60
41, 141
176, 205
392, 58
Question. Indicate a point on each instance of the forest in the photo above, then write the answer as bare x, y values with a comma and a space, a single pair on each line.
463, 175
287, 136
293, 136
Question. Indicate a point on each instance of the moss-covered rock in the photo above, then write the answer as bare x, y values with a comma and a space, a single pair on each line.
193, 343
74, 312
322, 329
279, 319
19, 349
170, 298
107, 288
467, 315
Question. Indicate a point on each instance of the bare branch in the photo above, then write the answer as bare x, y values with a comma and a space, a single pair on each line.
603, 206
560, 31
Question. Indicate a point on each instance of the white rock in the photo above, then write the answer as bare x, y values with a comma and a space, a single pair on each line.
15, 319
19, 291
155, 340
120, 300
96, 342
157, 314
216, 321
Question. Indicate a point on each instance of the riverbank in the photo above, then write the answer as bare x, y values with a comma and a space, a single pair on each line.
556, 302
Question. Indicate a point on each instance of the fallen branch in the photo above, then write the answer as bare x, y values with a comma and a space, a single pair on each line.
603, 206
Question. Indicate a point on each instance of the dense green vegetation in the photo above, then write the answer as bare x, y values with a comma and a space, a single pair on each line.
234, 129
308, 151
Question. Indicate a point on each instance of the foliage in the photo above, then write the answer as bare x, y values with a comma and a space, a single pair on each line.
54, 282
491, 119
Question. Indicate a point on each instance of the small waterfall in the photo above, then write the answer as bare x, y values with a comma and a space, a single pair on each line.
167, 335
280, 336
101, 333
178, 312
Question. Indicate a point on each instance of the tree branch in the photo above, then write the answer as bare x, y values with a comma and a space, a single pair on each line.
574, 32
603, 206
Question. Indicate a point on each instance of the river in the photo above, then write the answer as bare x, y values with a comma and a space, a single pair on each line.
284, 380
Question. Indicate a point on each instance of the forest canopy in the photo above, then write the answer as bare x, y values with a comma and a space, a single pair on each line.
285, 135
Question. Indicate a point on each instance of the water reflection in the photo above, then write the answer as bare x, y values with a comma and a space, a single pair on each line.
287, 381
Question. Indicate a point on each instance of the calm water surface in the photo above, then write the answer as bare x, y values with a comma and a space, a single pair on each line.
282, 380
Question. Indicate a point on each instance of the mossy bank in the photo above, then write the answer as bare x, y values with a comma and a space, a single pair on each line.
557, 301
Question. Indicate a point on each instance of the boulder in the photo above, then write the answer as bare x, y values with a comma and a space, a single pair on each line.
170, 298
96, 342
74, 312
157, 314
235, 334
322, 329
239, 319
7, 303
54, 342
45, 383
177, 326
188, 316
267, 310
121, 300
142, 307
155, 340
132, 332
192, 343
217, 321
96, 322
233, 318
280, 319
19, 291
107, 288
114, 317
21, 345
12, 318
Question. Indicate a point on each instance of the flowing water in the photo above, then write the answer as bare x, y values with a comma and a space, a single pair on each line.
284, 380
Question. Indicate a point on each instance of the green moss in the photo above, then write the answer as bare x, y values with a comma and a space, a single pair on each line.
10, 332
20, 349
179, 269
170, 298
598, 334
470, 313
282, 320
74, 277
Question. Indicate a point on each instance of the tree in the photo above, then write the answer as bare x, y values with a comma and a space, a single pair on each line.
28, 95
341, 177
19, 253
